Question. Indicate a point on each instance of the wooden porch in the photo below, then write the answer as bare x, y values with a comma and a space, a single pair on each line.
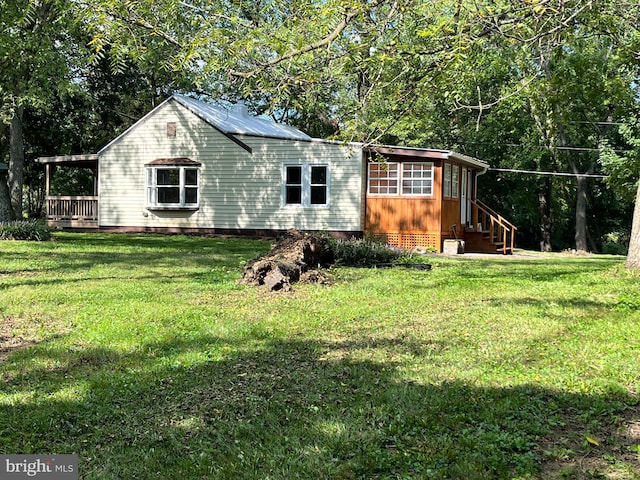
415, 223
72, 211
71, 205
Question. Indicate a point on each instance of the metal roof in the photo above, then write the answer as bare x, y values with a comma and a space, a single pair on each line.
238, 122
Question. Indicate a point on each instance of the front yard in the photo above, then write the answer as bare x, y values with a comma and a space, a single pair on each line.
144, 356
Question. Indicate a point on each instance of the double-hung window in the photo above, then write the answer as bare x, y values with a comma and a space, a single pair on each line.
407, 179
305, 185
455, 181
446, 180
172, 184
451, 181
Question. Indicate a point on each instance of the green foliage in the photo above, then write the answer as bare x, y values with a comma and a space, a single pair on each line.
72, 181
615, 243
362, 252
623, 166
510, 83
25, 230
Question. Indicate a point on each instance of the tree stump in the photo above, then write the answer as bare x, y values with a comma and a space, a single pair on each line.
290, 257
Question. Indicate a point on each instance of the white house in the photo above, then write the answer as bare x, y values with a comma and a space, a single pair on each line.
189, 166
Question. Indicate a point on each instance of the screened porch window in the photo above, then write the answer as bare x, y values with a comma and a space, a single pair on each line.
172, 186
455, 181
388, 178
446, 180
383, 178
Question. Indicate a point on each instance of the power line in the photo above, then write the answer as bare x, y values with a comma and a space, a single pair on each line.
554, 174
546, 147
597, 123
579, 149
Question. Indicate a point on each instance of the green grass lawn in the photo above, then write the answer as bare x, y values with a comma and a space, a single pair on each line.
144, 356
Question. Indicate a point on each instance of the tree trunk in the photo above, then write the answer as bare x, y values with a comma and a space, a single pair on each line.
16, 162
633, 258
581, 215
6, 213
544, 208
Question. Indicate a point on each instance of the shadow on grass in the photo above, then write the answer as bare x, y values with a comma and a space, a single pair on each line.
546, 270
258, 408
73, 254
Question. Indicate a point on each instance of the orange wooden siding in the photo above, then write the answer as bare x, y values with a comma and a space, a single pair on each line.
450, 217
410, 222
407, 221
395, 214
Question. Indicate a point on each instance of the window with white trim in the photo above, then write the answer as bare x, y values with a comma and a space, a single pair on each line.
383, 178
451, 181
446, 180
172, 187
410, 179
305, 185
417, 179
455, 181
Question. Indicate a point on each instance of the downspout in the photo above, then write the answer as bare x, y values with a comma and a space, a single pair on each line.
478, 173
475, 220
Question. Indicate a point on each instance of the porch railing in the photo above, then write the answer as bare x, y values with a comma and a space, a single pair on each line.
499, 230
77, 208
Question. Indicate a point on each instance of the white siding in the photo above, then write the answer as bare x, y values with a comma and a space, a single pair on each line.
238, 190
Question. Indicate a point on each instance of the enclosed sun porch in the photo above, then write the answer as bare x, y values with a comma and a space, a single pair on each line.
71, 190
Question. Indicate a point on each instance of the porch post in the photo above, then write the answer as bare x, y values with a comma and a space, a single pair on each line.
94, 171
47, 176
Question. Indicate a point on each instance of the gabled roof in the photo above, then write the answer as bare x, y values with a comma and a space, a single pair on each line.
238, 122
229, 122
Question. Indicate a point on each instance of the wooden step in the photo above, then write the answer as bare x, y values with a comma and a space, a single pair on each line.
501, 250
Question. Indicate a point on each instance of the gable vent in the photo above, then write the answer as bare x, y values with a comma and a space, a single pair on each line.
241, 109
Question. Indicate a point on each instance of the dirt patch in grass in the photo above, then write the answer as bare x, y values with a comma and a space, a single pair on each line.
610, 451
14, 336
18, 333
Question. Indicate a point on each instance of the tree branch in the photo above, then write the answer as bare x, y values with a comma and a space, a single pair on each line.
481, 107
561, 25
325, 42
139, 22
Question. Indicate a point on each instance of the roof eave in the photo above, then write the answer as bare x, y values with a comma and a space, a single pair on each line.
465, 159
429, 153
89, 157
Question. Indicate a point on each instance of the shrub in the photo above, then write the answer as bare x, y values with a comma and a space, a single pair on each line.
615, 243
362, 253
25, 230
